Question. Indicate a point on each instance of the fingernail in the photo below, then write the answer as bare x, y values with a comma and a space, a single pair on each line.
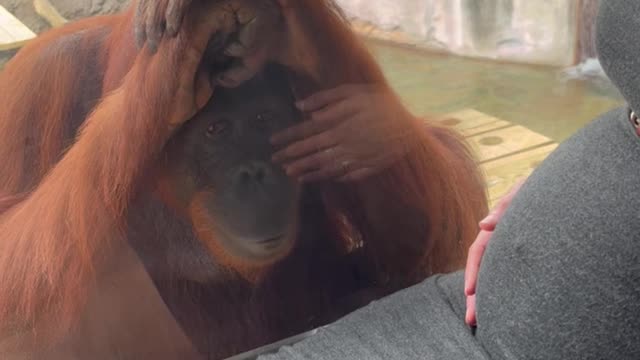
487, 220
171, 31
300, 105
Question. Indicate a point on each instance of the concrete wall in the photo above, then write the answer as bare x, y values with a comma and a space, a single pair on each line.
530, 31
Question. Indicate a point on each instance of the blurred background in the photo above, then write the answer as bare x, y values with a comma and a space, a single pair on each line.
516, 77
528, 62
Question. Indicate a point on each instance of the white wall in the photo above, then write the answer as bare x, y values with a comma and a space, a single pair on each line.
531, 31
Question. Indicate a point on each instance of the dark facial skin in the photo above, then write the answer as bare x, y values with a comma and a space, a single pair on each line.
225, 154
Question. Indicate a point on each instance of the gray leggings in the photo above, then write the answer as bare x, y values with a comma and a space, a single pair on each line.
559, 280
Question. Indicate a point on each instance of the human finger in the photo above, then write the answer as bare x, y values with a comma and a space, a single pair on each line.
490, 221
470, 316
476, 251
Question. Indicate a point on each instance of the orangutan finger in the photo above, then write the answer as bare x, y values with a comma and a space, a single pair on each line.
326, 97
312, 162
154, 26
320, 121
175, 14
300, 132
358, 175
476, 251
333, 113
306, 164
245, 40
335, 170
319, 142
140, 21
235, 76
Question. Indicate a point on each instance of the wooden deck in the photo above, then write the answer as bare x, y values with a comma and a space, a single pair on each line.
506, 152
13, 33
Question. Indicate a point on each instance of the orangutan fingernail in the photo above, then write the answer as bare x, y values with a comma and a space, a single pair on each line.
300, 105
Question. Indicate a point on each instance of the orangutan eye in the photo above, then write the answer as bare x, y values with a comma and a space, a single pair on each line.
216, 128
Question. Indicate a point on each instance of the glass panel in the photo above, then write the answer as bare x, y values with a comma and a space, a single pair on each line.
231, 256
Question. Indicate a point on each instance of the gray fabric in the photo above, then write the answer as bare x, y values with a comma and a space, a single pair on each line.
618, 45
561, 276
422, 322
559, 280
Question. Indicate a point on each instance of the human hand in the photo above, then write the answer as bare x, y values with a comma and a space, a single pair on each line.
355, 131
254, 44
476, 251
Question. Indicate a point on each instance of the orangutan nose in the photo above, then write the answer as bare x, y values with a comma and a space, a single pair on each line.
254, 173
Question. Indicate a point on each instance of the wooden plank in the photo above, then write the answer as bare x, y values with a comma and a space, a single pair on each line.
13, 33
45, 9
470, 122
495, 144
503, 173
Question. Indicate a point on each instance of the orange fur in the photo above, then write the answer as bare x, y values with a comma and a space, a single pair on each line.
430, 219
54, 242
80, 182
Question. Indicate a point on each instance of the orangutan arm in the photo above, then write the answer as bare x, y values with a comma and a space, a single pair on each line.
55, 241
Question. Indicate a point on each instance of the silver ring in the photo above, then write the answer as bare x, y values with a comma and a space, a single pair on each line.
345, 166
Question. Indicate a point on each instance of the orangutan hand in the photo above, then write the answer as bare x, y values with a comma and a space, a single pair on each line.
354, 131
257, 26
194, 86
487, 225
154, 18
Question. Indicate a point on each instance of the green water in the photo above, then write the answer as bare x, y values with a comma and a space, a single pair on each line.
535, 97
